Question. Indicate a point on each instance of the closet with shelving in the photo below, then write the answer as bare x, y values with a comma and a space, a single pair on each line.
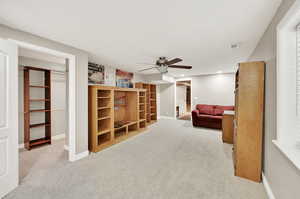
29, 110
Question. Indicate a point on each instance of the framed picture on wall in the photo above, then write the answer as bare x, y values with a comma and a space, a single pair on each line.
124, 79
96, 73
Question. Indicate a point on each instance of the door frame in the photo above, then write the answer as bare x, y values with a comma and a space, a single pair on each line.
175, 97
71, 88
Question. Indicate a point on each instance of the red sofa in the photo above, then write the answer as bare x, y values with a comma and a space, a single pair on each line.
209, 116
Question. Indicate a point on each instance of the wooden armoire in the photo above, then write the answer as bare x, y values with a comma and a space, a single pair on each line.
248, 120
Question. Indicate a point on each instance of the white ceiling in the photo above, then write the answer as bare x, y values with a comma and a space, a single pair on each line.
124, 34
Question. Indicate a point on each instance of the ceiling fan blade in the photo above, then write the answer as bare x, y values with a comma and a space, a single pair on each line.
147, 69
180, 67
173, 61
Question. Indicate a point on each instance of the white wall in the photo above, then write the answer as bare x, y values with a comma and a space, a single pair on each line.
81, 138
282, 175
215, 89
167, 99
58, 97
181, 98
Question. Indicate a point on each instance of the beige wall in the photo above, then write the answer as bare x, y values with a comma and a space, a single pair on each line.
81, 79
283, 177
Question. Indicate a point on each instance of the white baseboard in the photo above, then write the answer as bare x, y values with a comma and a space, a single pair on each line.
56, 137
80, 156
267, 187
166, 117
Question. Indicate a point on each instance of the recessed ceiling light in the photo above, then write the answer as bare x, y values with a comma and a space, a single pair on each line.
182, 75
219, 72
234, 46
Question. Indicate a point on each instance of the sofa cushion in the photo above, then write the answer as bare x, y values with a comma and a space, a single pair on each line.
210, 118
218, 111
206, 111
225, 108
204, 106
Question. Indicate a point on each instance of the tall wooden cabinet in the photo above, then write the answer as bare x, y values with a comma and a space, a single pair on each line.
248, 120
151, 103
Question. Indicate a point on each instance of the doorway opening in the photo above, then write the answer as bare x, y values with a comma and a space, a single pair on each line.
43, 114
183, 100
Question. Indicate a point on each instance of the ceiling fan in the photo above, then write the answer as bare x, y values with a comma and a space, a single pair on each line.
162, 65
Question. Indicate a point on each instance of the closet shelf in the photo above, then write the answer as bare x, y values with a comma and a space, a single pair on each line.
40, 110
39, 100
39, 141
104, 97
39, 125
33, 86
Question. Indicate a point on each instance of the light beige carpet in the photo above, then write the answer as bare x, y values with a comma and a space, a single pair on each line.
172, 160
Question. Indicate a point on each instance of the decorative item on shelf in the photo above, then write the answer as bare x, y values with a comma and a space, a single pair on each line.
124, 79
95, 73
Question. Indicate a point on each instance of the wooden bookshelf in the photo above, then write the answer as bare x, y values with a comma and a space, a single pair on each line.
100, 117
115, 114
150, 101
248, 120
28, 143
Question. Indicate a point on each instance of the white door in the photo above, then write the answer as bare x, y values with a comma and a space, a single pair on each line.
8, 117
